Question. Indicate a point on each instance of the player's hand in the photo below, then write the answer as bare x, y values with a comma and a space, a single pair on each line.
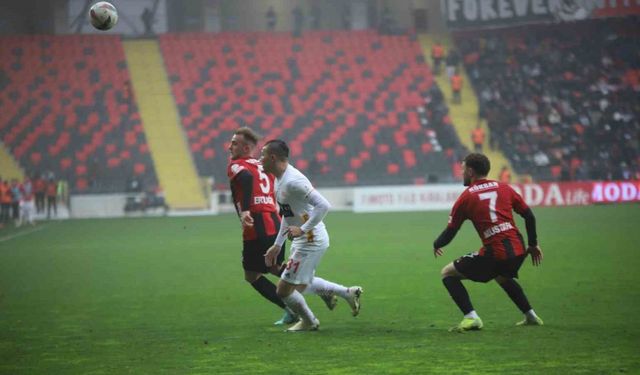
437, 252
246, 219
271, 256
293, 232
536, 254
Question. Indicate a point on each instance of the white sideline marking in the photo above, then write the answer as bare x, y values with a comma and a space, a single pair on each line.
7, 238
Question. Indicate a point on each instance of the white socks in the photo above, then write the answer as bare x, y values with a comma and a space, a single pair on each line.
530, 314
323, 287
472, 315
295, 301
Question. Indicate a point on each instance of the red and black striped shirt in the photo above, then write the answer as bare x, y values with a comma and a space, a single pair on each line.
252, 190
489, 204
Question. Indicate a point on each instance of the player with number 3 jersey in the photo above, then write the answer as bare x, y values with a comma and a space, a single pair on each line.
488, 205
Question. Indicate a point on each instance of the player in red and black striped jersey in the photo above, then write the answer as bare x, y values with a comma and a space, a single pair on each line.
254, 200
488, 204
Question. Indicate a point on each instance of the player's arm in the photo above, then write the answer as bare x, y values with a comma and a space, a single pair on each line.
445, 238
532, 236
523, 210
272, 254
456, 218
244, 179
320, 209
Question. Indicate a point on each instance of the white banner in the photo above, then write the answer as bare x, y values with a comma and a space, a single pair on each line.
406, 198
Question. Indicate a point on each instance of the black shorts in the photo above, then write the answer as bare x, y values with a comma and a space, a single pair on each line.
253, 254
483, 269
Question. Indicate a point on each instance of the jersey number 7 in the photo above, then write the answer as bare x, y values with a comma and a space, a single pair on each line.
492, 196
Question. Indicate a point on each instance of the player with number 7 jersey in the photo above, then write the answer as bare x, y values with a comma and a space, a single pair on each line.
488, 204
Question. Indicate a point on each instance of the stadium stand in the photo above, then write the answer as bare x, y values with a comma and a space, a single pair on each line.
356, 107
68, 109
562, 101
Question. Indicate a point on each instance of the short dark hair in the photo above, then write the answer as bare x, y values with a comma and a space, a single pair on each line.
479, 163
248, 135
278, 148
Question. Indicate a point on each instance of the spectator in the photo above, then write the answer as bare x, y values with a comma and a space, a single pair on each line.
477, 137
298, 21
456, 87
437, 53
272, 19
505, 175
5, 202
16, 197
52, 198
558, 100
315, 16
452, 61
27, 203
39, 187
147, 18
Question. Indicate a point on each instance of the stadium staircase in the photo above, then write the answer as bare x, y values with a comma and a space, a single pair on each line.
464, 116
174, 165
66, 110
9, 167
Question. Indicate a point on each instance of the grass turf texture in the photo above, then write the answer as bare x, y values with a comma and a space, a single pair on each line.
167, 296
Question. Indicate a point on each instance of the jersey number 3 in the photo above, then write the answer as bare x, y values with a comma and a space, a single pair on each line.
492, 196
263, 177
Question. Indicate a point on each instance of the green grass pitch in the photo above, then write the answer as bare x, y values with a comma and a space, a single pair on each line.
167, 296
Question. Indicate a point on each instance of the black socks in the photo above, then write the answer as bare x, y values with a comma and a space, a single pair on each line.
268, 290
458, 293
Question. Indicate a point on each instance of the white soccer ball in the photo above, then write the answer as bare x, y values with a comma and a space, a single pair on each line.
103, 15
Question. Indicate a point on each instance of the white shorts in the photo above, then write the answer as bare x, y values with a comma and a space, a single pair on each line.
301, 266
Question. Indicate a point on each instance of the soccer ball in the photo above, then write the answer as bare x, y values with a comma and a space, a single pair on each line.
103, 15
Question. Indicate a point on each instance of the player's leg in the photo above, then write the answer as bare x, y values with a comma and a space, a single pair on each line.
515, 292
508, 271
328, 291
472, 267
297, 275
294, 300
254, 270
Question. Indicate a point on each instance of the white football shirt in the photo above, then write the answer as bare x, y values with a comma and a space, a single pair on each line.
292, 193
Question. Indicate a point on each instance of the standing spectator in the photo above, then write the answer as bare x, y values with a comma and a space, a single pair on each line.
147, 18
453, 60
505, 175
315, 16
298, 21
5, 202
456, 87
52, 195
437, 53
27, 206
346, 16
386, 22
477, 137
16, 197
39, 187
272, 19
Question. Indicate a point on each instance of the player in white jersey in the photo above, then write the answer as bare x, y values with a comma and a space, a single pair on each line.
302, 209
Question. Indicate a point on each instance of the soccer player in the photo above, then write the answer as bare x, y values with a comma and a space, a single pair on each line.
488, 204
302, 209
254, 200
